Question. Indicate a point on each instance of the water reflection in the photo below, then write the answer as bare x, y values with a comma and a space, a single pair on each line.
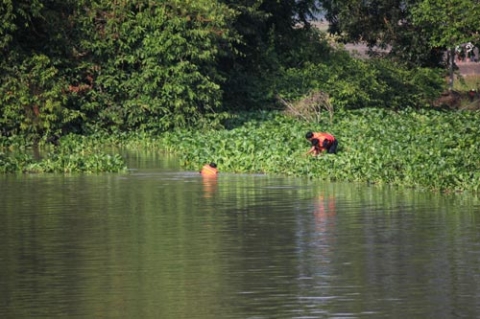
324, 213
164, 243
209, 185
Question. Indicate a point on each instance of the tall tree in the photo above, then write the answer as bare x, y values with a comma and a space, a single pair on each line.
385, 24
156, 61
273, 33
33, 48
449, 23
121, 65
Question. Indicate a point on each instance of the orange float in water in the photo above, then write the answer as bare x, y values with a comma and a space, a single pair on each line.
209, 170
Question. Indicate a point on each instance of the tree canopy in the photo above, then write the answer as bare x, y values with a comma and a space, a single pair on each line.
416, 31
88, 65
448, 23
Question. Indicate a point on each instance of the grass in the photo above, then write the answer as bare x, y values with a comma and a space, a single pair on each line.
467, 82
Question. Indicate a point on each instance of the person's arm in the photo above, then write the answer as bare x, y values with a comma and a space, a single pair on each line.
311, 150
314, 148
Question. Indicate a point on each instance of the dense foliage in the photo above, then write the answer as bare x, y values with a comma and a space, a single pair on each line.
95, 65
183, 70
82, 66
75, 154
416, 32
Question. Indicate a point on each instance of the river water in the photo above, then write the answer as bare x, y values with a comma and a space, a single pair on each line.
161, 242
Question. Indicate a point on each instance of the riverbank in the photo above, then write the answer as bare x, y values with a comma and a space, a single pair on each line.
422, 149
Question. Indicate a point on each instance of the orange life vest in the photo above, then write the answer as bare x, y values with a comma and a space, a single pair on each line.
316, 135
322, 137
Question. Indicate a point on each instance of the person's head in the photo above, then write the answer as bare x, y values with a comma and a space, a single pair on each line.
213, 165
315, 142
309, 135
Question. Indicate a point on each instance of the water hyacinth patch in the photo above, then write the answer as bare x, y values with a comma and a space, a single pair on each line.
414, 148
427, 149
55, 163
74, 154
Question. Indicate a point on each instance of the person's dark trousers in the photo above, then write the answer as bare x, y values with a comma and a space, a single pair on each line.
333, 148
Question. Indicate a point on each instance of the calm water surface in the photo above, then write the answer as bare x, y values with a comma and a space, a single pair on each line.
160, 242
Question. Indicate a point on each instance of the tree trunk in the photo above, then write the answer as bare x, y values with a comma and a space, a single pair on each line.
452, 65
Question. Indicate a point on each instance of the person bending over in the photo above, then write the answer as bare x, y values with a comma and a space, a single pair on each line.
322, 142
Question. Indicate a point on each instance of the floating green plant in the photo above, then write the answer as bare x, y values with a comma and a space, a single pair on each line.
428, 149
415, 148
73, 154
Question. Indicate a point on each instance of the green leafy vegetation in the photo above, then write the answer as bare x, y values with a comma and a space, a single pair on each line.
428, 149
62, 163
421, 149
94, 65
215, 80
72, 154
